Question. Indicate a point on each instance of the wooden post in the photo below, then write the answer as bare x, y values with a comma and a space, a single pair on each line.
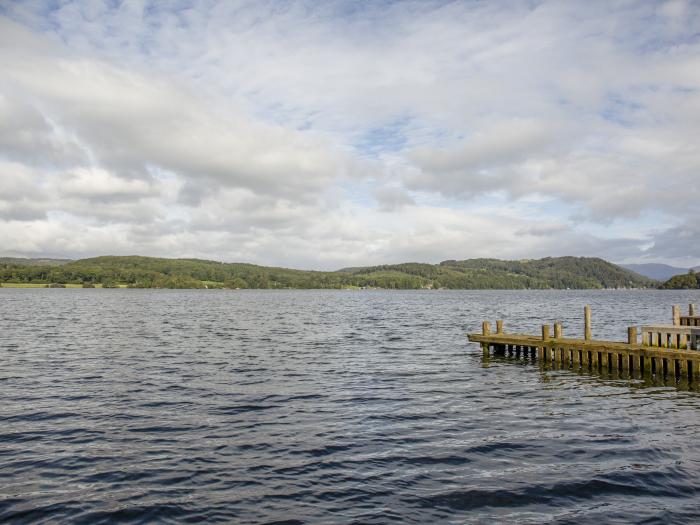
676, 310
545, 332
691, 310
660, 367
587, 323
624, 361
557, 330
499, 326
632, 335
683, 369
486, 328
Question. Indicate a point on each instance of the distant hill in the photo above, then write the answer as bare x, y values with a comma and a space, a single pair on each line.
687, 281
151, 272
660, 272
23, 261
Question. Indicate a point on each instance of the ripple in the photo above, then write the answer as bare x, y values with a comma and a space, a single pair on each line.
325, 407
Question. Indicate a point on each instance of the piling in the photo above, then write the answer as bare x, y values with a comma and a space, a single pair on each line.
557, 331
665, 350
676, 310
691, 310
587, 323
545, 332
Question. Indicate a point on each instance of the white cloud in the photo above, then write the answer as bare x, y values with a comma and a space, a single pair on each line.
322, 135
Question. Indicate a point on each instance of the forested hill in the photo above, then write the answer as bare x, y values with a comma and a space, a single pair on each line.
686, 281
150, 272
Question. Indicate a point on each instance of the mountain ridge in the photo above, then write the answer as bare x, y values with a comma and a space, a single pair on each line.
484, 273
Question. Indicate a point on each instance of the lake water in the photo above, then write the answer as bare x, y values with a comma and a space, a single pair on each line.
330, 407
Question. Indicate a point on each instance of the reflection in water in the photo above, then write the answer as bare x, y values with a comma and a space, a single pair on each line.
603, 376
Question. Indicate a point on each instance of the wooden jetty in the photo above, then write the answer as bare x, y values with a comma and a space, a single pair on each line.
665, 350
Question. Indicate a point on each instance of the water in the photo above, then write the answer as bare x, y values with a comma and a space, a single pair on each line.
330, 407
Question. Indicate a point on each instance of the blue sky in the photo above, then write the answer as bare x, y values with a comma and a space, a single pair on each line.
322, 135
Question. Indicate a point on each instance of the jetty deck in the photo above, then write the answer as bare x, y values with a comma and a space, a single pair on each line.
664, 350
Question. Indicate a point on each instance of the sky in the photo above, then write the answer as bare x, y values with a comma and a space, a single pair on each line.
321, 135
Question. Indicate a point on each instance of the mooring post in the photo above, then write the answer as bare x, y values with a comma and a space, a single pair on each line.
545, 332
499, 326
691, 310
676, 310
486, 328
632, 335
557, 330
587, 322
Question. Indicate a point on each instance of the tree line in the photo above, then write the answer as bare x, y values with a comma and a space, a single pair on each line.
150, 272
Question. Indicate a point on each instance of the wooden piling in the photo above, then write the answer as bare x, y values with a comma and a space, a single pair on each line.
676, 311
691, 310
664, 350
557, 331
587, 322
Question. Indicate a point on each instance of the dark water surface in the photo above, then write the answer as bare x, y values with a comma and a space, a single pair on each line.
330, 407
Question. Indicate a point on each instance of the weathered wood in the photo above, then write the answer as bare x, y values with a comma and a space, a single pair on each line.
486, 328
545, 332
557, 331
632, 335
587, 322
660, 366
607, 354
576, 357
624, 361
676, 313
499, 326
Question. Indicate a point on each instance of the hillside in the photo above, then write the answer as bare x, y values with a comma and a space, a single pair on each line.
150, 272
687, 281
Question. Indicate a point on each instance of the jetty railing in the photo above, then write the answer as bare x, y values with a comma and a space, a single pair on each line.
672, 350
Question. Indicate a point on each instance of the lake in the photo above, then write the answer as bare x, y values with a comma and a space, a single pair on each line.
144, 406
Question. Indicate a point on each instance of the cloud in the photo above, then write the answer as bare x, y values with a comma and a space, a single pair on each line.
322, 135
128, 121
680, 243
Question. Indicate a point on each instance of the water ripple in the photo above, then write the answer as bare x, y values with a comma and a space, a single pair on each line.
290, 407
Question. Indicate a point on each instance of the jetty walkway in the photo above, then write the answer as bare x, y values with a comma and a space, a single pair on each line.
664, 350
